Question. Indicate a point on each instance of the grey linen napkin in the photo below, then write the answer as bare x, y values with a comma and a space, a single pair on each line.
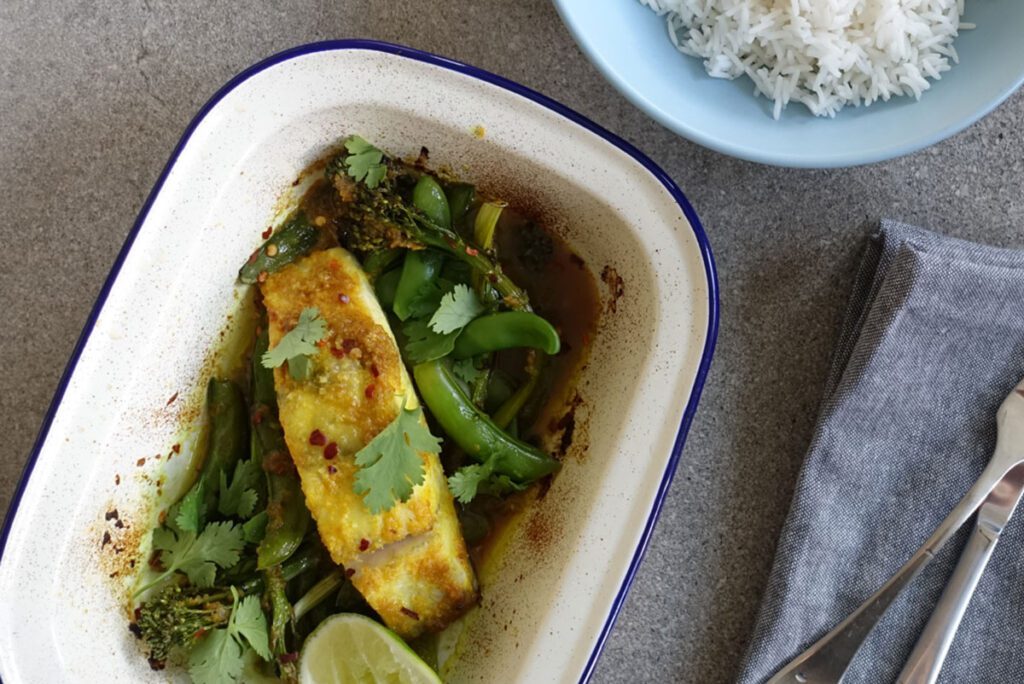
932, 343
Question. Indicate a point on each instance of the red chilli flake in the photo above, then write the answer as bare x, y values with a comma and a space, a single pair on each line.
316, 438
349, 572
374, 370
288, 657
370, 389
141, 462
340, 353
343, 298
267, 233
471, 251
410, 613
364, 544
330, 451
176, 448
172, 399
331, 470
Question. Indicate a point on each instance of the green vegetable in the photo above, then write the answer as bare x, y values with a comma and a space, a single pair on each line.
241, 496
298, 344
429, 198
460, 200
511, 407
176, 615
281, 616
480, 478
380, 261
420, 269
381, 219
391, 465
218, 656
457, 308
386, 287
506, 330
291, 241
423, 344
228, 437
320, 591
364, 162
288, 517
219, 545
473, 431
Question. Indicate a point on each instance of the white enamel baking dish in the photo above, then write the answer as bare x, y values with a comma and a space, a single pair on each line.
551, 600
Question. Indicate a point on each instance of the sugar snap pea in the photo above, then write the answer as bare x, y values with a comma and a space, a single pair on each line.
420, 268
473, 431
228, 437
460, 199
506, 330
429, 198
287, 515
289, 242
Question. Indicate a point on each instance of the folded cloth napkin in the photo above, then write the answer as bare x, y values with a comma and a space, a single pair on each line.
932, 344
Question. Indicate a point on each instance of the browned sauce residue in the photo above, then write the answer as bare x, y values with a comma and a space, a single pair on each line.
616, 287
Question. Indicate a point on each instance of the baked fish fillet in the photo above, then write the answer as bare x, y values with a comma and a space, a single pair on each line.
409, 562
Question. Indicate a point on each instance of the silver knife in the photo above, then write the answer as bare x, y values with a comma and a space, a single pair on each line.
929, 653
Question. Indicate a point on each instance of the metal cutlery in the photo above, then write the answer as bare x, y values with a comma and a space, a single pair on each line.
925, 661
826, 661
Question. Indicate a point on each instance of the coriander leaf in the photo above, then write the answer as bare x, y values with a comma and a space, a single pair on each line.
480, 478
299, 368
199, 557
216, 659
299, 341
239, 498
465, 481
423, 344
428, 297
364, 162
466, 370
500, 485
254, 529
457, 308
247, 620
390, 465
188, 516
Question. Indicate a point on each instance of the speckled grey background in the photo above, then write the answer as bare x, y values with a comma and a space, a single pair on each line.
93, 97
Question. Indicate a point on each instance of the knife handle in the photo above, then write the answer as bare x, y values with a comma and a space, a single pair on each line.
929, 653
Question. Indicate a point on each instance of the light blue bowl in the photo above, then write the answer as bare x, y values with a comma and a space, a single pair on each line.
629, 43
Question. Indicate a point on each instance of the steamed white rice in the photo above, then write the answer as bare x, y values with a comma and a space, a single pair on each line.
825, 54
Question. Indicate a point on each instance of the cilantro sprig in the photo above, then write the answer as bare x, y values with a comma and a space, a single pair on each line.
391, 465
219, 656
480, 478
364, 161
457, 308
239, 498
298, 344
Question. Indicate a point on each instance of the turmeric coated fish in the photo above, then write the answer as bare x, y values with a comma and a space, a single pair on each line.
409, 562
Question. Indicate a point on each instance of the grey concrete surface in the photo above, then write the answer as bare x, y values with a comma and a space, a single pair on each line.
93, 97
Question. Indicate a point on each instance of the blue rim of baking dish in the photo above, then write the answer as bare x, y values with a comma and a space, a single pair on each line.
494, 79
870, 155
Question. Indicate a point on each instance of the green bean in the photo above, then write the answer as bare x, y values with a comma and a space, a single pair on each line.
292, 240
386, 286
280, 618
304, 560
228, 437
506, 330
420, 267
287, 515
473, 431
429, 198
460, 199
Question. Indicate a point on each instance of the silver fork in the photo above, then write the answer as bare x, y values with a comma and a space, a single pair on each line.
826, 661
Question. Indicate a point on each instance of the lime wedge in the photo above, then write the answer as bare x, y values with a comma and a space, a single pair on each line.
353, 649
